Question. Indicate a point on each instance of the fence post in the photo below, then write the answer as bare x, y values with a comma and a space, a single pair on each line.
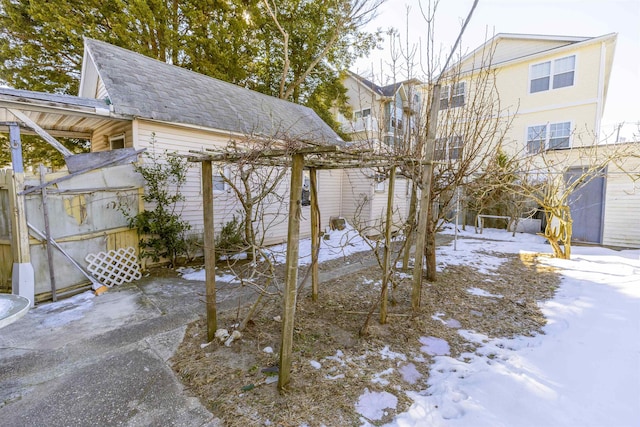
22, 274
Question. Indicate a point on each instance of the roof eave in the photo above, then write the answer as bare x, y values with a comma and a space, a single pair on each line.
611, 37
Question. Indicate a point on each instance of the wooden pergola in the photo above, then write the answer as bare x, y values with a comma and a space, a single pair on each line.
297, 157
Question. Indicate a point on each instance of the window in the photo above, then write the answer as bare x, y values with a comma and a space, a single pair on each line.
379, 183
559, 135
219, 184
448, 149
440, 152
536, 137
116, 142
540, 77
452, 96
362, 113
552, 136
455, 147
562, 70
457, 97
306, 188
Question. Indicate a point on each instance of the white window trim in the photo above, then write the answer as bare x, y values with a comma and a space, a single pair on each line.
548, 136
117, 137
551, 73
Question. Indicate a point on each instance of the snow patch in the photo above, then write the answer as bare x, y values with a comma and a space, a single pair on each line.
372, 405
434, 346
482, 293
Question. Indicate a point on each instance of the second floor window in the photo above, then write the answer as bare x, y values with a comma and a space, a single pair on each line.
552, 136
452, 96
362, 113
552, 74
448, 149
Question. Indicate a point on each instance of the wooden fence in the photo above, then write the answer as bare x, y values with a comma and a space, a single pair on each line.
82, 214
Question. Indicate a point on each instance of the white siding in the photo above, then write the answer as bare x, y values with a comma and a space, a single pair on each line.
181, 140
400, 208
226, 205
101, 90
100, 136
357, 196
329, 195
622, 208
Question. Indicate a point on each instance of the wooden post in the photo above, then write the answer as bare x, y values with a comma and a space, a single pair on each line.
315, 233
291, 269
416, 290
387, 246
209, 248
47, 233
22, 274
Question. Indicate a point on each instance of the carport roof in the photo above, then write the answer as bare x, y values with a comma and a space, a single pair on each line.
59, 115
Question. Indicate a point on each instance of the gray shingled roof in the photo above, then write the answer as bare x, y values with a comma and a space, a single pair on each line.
144, 87
388, 90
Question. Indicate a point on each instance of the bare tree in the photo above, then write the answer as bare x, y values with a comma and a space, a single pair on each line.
551, 177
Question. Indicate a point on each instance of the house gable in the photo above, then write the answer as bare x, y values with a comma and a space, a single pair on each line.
145, 88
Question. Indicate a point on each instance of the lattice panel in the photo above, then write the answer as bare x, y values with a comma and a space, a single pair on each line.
114, 267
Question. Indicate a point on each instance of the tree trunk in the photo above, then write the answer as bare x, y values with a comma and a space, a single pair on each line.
430, 250
411, 225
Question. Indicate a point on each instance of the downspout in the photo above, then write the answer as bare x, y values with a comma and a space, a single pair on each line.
599, 108
600, 97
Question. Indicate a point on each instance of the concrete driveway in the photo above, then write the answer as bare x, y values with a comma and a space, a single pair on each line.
98, 361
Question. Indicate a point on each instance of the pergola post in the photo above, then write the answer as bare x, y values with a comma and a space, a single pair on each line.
387, 246
315, 233
22, 274
291, 270
427, 171
209, 248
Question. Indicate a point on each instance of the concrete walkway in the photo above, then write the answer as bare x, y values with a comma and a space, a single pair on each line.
104, 361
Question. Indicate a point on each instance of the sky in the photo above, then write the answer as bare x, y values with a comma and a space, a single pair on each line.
588, 18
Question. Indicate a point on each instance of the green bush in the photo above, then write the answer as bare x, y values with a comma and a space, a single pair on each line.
230, 240
162, 231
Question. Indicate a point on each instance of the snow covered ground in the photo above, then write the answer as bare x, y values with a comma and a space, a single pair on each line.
583, 371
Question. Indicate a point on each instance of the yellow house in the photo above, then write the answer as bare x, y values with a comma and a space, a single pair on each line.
552, 91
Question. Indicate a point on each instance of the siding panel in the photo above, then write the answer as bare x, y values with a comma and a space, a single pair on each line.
622, 204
